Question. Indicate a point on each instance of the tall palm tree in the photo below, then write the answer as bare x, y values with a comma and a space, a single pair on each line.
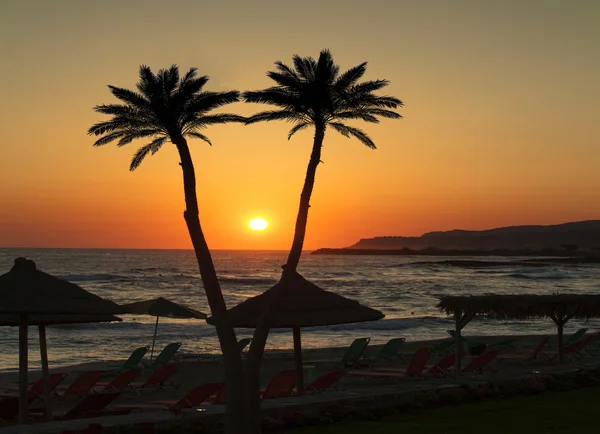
314, 94
169, 108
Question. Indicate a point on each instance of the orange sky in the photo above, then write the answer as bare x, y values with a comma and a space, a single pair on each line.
501, 120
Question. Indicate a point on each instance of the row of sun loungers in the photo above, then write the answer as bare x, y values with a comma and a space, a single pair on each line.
96, 397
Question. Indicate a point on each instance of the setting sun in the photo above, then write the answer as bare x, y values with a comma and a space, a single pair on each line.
258, 224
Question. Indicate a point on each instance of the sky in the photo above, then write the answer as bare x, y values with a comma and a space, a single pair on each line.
500, 120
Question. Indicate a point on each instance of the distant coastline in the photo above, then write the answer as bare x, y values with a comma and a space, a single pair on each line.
560, 255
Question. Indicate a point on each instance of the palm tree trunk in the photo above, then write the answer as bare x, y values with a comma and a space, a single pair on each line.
302, 218
253, 419
234, 368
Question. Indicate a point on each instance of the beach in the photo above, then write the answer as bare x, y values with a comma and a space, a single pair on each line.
404, 291
194, 371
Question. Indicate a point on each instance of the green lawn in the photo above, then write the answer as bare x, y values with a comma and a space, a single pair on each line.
576, 411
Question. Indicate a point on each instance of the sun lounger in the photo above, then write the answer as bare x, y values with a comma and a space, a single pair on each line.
133, 361
194, 398
534, 355
575, 350
388, 353
472, 344
282, 384
91, 405
575, 337
157, 380
441, 368
120, 382
81, 386
354, 353
325, 381
415, 368
479, 363
165, 356
37, 390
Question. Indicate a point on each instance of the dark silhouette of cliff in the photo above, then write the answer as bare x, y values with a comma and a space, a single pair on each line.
572, 237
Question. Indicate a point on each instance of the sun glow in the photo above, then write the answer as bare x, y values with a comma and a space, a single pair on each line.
258, 224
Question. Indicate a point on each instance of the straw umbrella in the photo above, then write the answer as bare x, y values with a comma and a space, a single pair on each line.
27, 296
560, 308
161, 307
300, 303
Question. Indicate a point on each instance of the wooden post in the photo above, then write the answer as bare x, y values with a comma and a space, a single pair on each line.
560, 325
23, 403
298, 359
154, 339
457, 328
45, 372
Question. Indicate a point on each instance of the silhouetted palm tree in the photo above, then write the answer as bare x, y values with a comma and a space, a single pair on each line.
169, 108
314, 94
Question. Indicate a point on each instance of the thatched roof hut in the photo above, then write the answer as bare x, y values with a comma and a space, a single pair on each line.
299, 303
162, 307
27, 290
29, 296
558, 307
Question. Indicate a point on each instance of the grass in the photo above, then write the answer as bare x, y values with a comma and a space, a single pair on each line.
575, 411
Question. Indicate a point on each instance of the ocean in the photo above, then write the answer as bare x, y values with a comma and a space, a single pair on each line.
405, 291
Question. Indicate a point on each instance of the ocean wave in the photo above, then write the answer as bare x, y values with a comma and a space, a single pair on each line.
155, 270
382, 325
248, 280
91, 277
539, 277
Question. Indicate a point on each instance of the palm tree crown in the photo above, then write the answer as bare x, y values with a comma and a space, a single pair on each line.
314, 93
166, 107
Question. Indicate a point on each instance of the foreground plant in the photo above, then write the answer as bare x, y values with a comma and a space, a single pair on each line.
168, 108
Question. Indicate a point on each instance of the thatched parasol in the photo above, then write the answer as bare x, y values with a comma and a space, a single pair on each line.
161, 307
558, 307
29, 296
300, 303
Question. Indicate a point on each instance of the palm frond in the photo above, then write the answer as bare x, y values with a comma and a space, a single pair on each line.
351, 76
348, 131
200, 136
277, 96
207, 101
203, 121
284, 79
297, 128
145, 150
326, 71
111, 137
131, 135
306, 67
356, 114
129, 97
147, 83
276, 115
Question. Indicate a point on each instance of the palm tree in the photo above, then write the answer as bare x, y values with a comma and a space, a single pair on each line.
311, 94
169, 108
314, 94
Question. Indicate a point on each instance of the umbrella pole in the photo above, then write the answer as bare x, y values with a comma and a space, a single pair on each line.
298, 359
45, 372
23, 403
154, 338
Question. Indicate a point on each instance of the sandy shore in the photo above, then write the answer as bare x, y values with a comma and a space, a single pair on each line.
195, 371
